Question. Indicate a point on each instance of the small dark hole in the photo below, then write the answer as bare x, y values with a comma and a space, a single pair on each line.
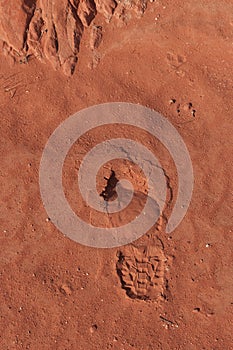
109, 191
197, 309
172, 101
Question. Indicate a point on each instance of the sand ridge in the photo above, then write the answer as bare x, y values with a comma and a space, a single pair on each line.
52, 30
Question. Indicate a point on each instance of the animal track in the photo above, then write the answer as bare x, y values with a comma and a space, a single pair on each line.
175, 60
183, 110
52, 30
14, 84
141, 271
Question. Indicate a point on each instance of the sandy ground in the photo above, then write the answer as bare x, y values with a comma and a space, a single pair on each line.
174, 57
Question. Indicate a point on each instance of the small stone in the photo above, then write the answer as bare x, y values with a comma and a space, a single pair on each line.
65, 289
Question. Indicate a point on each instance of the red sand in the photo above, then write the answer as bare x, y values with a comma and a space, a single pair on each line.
174, 57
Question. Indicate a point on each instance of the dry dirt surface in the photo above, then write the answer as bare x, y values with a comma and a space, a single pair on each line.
163, 291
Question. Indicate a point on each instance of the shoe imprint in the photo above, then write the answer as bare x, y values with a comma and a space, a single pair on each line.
185, 111
142, 271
